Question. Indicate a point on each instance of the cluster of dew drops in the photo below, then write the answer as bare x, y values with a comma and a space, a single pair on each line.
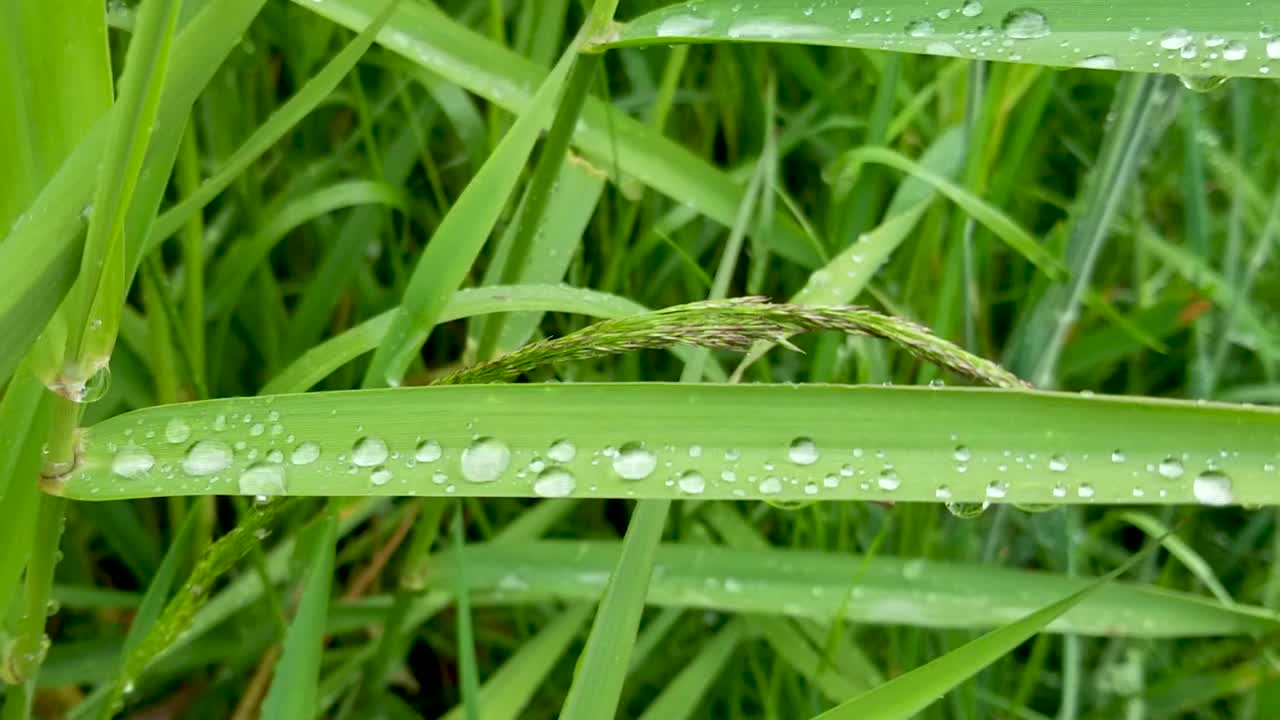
487, 459
1184, 49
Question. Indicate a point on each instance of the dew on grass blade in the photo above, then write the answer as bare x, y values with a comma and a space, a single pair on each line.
380, 476
1175, 39
1170, 468
428, 451
177, 431
485, 459
889, 480
562, 450
554, 482
692, 482
803, 451
966, 510
1025, 24
771, 485
263, 480
634, 461
971, 8
132, 462
1212, 487
305, 454
1059, 463
368, 452
206, 457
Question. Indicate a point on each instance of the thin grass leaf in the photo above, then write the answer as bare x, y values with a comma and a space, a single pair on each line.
906, 695
683, 695
1136, 36
297, 673
812, 585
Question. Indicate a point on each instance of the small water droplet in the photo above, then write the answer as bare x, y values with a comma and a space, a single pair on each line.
1085, 490
485, 459
1212, 487
177, 431
1202, 83
771, 485
1059, 490
962, 454
692, 482
831, 481
262, 480
96, 387
1273, 49
427, 451
275, 456
1059, 463
1235, 51
380, 475
206, 457
889, 480
942, 493
132, 462
1025, 24
634, 461
1098, 62
1170, 468
562, 451
971, 8
257, 429
1118, 456
997, 490
732, 455
554, 482
803, 451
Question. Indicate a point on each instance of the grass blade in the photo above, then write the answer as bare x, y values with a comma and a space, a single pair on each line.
1136, 36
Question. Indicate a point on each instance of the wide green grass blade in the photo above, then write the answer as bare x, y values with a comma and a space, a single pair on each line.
1136, 35
297, 674
763, 442
813, 585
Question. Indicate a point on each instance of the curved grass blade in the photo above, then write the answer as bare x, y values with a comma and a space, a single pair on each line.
732, 325
813, 585
868, 443
321, 360
1137, 35
907, 695
682, 696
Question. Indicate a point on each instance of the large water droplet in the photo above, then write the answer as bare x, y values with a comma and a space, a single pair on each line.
1213, 487
554, 482
305, 454
485, 459
1170, 467
692, 482
263, 480
634, 461
1025, 24
206, 457
368, 452
177, 431
1201, 83
132, 462
803, 451
95, 387
562, 450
